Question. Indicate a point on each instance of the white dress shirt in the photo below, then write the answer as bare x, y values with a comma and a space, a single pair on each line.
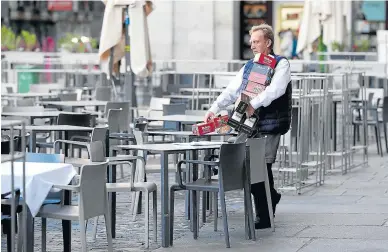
277, 88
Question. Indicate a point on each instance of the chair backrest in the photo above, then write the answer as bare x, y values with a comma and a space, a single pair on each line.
24, 109
45, 88
9, 90
97, 151
93, 195
103, 93
76, 119
114, 124
156, 106
124, 116
44, 158
385, 109
25, 102
173, 109
68, 97
231, 172
141, 124
256, 159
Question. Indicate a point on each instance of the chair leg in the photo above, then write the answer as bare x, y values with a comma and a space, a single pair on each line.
122, 171
9, 242
136, 205
20, 233
83, 233
204, 196
269, 203
147, 219
224, 218
44, 234
172, 199
249, 213
108, 226
155, 214
215, 202
195, 215
95, 224
385, 136
377, 140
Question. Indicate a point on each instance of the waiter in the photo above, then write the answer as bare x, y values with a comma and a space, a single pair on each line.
274, 109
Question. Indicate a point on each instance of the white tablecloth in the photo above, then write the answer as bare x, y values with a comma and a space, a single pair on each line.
40, 177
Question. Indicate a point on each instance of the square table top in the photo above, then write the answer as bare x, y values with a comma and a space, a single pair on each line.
55, 128
178, 118
172, 147
76, 103
40, 177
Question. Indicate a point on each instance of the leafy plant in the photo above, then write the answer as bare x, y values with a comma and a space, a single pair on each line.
29, 40
336, 46
74, 43
362, 45
8, 38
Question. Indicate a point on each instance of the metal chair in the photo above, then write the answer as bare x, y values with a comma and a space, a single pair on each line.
384, 119
371, 121
173, 109
92, 202
74, 119
97, 153
258, 170
68, 96
6, 218
103, 93
232, 176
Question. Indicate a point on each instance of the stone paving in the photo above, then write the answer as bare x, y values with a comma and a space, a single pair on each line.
348, 213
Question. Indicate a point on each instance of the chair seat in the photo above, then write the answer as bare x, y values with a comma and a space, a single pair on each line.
77, 162
5, 217
121, 158
59, 212
51, 201
203, 185
368, 122
44, 145
126, 187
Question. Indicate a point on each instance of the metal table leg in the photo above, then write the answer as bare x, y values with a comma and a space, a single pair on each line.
165, 217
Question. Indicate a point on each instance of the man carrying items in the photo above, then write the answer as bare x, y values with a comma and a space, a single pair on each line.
272, 107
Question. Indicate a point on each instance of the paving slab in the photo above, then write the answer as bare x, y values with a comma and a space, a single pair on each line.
345, 245
331, 219
346, 232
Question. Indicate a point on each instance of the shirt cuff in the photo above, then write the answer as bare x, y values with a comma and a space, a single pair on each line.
256, 103
214, 108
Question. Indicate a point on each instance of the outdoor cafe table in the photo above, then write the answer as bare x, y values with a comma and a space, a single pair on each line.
35, 114
76, 104
40, 177
164, 150
34, 129
188, 135
37, 96
180, 119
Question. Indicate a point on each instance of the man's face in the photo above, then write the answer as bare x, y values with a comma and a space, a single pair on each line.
259, 42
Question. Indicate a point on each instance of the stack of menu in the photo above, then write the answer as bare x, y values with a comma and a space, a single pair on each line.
259, 78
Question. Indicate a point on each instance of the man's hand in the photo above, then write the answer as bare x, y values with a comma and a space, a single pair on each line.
209, 115
249, 111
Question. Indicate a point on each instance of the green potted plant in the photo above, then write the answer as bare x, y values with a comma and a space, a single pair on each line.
337, 47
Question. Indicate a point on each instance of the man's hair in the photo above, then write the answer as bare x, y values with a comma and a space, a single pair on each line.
267, 30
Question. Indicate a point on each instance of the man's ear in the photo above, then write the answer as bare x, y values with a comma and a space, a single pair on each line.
269, 43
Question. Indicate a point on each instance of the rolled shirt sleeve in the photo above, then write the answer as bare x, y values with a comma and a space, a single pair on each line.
230, 94
277, 88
